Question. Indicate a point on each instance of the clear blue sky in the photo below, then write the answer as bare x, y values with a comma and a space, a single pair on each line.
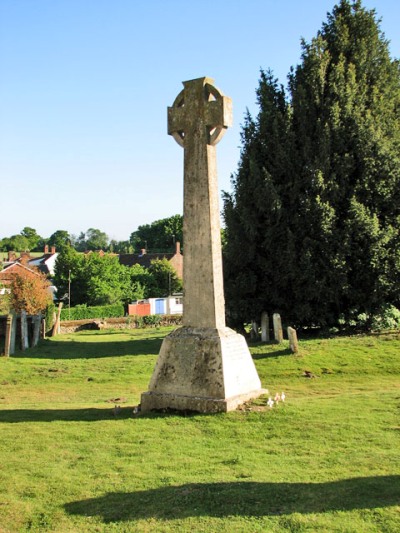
84, 91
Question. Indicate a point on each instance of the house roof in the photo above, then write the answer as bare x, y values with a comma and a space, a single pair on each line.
45, 263
9, 271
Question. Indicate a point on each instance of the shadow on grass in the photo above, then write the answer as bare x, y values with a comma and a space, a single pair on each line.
14, 416
267, 355
92, 350
242, 498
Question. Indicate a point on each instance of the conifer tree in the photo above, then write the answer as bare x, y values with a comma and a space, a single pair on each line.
330, 176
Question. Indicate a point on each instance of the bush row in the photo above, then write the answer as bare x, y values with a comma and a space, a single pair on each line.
81, 312
130, 322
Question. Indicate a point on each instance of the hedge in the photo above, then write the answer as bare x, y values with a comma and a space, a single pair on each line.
80, 312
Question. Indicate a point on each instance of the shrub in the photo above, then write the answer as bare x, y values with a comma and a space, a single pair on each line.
387, 318
49, 315
81, 312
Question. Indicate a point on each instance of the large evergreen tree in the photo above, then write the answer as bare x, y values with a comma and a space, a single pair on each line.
320, 196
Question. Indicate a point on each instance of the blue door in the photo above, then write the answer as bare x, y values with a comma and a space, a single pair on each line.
160, 306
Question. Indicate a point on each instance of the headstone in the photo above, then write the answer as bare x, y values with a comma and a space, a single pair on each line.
13, 332
278, 332
202, 366
7, 343
254, 330
37, 320
264, 327
293, 343
24, 331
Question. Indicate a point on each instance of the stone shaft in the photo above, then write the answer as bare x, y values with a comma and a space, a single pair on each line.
199, 116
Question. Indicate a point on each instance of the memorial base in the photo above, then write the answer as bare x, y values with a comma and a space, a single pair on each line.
202, 369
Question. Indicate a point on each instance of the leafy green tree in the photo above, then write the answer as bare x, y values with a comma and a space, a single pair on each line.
94, 279
33, 238
68, 276
96, 239
325, 165
159, 236
121, 247
164, 279
92, 240
16, 243
60, 239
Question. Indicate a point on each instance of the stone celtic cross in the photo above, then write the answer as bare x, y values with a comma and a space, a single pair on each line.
203, 365
197, 120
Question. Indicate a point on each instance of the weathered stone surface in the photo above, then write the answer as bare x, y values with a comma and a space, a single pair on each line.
278, 332
293, 342
202, 366
264, 327
202, 369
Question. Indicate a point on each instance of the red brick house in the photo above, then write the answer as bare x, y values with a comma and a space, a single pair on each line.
15, 269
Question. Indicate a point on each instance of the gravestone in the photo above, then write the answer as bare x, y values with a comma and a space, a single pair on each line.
264, 327
24, 331
293, 342
7, 343
202, 366
37, 322
278, 332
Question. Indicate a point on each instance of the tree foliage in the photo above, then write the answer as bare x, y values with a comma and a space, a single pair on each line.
313, 221
60, 239
93, 279
30, 293
93, 239
163, 279
159, 236
27, 240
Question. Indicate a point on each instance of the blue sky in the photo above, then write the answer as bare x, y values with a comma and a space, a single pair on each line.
84, 91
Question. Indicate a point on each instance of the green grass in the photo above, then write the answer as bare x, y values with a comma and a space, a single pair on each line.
326, 460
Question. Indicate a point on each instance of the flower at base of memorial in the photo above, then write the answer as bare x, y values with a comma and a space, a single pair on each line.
270, 403
283, 396
277, 397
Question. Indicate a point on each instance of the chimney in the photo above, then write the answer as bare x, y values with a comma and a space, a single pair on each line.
177, 248
11, 256
46, 249
25, 256
53, 250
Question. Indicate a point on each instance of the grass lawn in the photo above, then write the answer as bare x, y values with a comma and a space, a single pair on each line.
328, 459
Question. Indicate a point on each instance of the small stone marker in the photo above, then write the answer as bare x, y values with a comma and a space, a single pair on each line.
24, 331
278, 332
293, 343
203, 366
37, 321
7, 344
254, 330
264, 327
